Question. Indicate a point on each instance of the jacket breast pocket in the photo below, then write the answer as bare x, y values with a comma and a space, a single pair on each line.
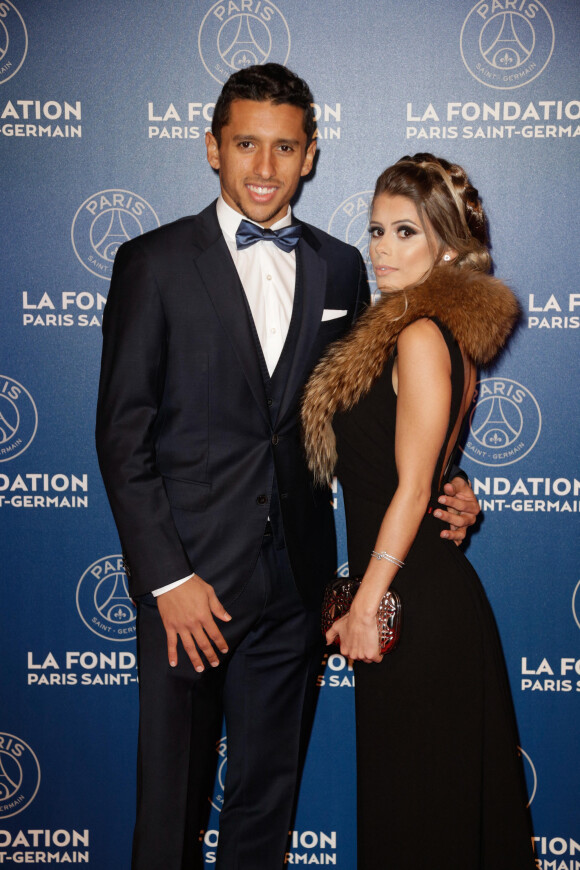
186, 495
336, 326
329, 331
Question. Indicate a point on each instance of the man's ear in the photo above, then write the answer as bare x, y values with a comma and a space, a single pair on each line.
309, 158
213, 151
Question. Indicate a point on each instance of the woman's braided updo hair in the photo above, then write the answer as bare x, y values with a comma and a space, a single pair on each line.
442, 193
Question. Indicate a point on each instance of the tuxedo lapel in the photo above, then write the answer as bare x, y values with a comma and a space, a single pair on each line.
311, 270
225, 291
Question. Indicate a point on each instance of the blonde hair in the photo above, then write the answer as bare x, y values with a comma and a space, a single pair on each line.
442, 194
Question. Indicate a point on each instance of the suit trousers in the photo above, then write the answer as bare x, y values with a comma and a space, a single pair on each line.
266, 686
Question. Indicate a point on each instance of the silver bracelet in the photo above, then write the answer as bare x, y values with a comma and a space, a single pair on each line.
387, 557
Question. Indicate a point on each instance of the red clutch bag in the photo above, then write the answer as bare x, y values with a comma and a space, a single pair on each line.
337, 601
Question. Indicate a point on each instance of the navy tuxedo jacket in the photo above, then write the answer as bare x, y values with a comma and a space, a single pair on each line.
186, 446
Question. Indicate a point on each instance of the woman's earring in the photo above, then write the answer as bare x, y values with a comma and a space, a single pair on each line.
446, 257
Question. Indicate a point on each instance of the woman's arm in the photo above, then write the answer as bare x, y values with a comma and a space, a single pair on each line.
423, 404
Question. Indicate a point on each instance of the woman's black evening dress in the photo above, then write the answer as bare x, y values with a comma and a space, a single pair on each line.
440, 780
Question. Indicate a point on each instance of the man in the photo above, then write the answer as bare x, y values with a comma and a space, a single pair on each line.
208, 342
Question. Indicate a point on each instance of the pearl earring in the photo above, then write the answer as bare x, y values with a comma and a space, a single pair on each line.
446, 257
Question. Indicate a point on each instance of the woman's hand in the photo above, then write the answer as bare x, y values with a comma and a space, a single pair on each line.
358, 635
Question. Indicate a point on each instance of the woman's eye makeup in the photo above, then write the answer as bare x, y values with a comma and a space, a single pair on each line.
406, 231
403, 231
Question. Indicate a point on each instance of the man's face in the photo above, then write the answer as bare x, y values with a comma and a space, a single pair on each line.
261, 158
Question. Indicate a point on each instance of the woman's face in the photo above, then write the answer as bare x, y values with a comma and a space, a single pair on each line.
402, 251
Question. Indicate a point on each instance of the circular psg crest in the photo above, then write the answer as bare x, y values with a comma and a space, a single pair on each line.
19, 775
103, 600
217, 801
530, 774
504, 47
350, 222
103, 222
18, 418
505, 423
576, 604
13, 41
234, 36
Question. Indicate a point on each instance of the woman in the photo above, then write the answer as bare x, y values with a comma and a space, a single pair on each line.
440, 783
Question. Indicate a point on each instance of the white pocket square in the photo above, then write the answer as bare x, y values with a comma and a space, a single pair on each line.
333, 313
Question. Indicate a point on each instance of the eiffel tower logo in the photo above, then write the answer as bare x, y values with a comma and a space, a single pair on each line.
113, 237
243, 49
507, 51
495, 431
7, 431
7, 785
117, 605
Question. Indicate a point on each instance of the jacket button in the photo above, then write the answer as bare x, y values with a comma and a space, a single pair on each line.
275, 440
270, 403
262, 499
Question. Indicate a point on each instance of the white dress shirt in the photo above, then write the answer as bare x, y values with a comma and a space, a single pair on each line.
268, 276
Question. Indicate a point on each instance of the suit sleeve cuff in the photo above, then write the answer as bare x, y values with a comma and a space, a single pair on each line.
170, 586
455, 471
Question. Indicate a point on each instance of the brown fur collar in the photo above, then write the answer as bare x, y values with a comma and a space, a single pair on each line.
479, 311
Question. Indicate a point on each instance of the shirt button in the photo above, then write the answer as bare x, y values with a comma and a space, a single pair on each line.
268, 277
262, 499
275, 439
273, 330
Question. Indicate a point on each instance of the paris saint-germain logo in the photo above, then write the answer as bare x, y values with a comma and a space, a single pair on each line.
18, 418
103, 222
233, 36
505, 423
13, 40
103, 600
217, 801
350, 222
505, 46
19, 775
530, 774
576, 604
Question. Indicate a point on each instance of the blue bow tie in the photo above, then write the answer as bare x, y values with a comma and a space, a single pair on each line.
285, 238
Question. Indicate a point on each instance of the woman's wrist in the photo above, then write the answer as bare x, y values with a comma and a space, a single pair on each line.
366, 601
388, 557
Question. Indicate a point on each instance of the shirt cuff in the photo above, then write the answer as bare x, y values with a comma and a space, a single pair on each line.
171, 586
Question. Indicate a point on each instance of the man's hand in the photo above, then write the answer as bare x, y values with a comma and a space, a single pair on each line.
188, 611
461, 509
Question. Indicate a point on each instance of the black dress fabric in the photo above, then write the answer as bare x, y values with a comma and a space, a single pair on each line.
440, 780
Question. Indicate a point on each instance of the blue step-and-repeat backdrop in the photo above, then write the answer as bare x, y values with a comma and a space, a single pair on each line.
103, 108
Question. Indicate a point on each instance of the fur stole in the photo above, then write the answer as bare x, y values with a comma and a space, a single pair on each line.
479, 311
